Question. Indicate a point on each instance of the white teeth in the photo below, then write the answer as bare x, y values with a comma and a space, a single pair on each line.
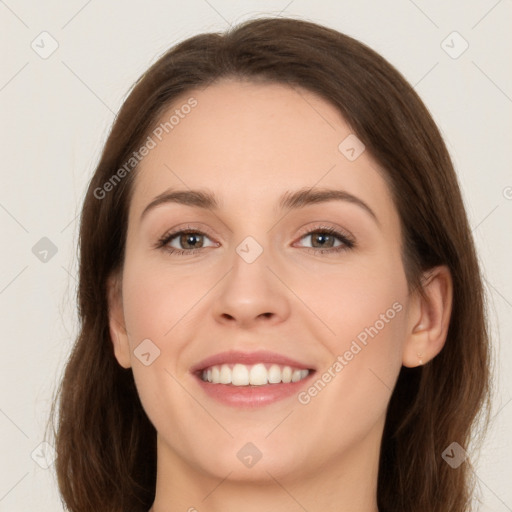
274, 374
295, 375
254, 375
258, 375
240, 375
225, 374
286, 374
299, 375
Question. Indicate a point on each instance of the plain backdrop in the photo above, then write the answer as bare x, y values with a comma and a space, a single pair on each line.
56, 110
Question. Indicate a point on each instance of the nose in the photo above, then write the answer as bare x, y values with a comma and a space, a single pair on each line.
252, 293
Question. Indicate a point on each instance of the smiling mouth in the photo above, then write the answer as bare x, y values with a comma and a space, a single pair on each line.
259, 374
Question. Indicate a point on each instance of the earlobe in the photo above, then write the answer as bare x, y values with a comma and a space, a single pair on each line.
429, 318
117, 327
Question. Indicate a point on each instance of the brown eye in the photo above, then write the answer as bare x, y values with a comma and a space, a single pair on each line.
322, 239
184, 241
190, 240
327, 240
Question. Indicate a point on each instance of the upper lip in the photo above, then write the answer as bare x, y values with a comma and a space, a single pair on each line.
248, 358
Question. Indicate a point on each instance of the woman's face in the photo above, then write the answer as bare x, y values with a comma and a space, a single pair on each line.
258, 285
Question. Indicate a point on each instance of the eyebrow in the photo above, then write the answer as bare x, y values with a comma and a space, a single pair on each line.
288, 201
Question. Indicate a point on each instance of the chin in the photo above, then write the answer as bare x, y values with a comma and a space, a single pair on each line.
258, 461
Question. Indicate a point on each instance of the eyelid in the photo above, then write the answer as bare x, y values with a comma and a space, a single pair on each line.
346, 238
179, 229
325, 225
303, 231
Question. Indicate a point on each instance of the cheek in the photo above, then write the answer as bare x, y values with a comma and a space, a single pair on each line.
364, 313
155, 305
156, 300
360, 295
352, 391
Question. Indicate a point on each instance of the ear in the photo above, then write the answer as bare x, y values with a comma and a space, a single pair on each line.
429, 318
117, 325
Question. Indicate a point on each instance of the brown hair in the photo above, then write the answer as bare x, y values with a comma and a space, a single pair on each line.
106, 445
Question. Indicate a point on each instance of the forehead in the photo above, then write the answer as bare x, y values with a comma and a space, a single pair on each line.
249, 142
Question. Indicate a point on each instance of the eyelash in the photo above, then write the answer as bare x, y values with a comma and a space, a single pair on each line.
348, 243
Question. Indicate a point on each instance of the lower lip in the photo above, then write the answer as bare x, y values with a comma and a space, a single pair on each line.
252, 396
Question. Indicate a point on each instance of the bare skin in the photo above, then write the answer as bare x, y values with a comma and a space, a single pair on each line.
248, 144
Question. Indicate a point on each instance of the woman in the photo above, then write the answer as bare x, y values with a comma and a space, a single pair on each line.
281, 306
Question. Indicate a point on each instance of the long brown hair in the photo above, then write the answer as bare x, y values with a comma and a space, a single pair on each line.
106, 445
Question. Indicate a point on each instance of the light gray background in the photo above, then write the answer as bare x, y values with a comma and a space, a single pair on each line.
56, 113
